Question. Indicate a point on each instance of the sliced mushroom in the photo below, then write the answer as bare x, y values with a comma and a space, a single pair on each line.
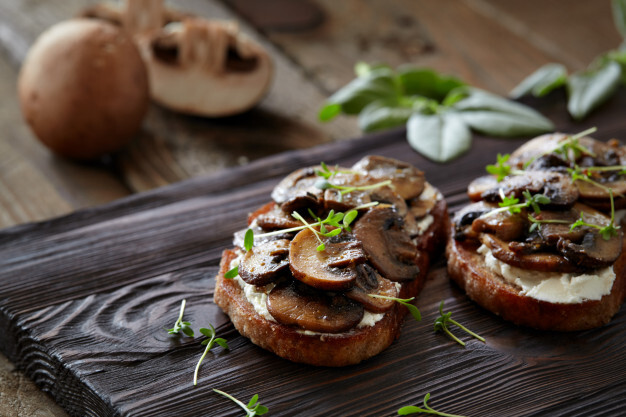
464, 218
332, 269
406, 180
535, 148
334, 199
542, 261
275, 218
298, 190
388, 246
593, 252
421, 207
370, 282
557, 224
557, 187
266, 262
295, 304
503, 225
478, 186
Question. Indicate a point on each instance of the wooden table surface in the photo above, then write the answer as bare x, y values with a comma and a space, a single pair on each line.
491, 44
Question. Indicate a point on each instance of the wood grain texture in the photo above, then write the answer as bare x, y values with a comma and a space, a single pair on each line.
86, 299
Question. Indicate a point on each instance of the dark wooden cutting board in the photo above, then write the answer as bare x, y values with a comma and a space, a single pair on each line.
85, 300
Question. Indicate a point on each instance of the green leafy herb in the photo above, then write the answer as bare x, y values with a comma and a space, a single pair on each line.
209, 343
438, 110
501, 169
586, 89
181, 325
411, 409
442, 322
536, 222
232, 273
254, 408
513, 206
405, 302
248, 240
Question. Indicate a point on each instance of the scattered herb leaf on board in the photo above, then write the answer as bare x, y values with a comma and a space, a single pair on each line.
586, 89
181, 325
209, 343
412, 409
444, 320
254, 408
439, 111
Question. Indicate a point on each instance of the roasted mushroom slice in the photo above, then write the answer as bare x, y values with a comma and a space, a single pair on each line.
331, 269
266, 262
478, 186
503, 224
464, 218
598, 196
298, 190
406, 180
556, 186
295, 304
593, 252
541, 261
388, 246
370, 282
274, 218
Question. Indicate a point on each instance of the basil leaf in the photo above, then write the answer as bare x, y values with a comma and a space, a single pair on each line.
426, 82
510, 118
619, 16
440, 137
363, 69
589, 89
358, 93
500, 124
329, 112
542, 81
383, 114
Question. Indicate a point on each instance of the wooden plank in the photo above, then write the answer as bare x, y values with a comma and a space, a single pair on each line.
490, 44
85, 300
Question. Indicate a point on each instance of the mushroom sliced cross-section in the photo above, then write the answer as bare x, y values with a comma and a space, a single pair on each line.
331, 269
387, 244
370, 282
298, 190
264, 263
296, 304
406, 180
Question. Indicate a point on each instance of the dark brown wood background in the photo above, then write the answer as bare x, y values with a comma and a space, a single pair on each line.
85, 300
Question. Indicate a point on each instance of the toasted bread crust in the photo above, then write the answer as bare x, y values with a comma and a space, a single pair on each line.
491, 291
331, 350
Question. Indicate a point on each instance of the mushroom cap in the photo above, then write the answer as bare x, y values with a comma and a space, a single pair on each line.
199, 80
83, 88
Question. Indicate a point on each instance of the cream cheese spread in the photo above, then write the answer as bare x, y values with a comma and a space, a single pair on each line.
553, 287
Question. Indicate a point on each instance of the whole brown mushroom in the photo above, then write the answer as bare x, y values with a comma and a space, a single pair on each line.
83, 88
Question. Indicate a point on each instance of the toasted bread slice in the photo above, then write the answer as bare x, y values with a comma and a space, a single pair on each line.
467, 268
325, 349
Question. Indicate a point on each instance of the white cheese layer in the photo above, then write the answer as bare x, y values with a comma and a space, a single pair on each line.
553, 287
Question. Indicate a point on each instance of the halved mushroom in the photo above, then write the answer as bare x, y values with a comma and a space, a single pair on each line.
370, 282
556, 186
205, 67
295, 304
266, 262
406, 180
298, 190
541, 261
332, 269
387, 244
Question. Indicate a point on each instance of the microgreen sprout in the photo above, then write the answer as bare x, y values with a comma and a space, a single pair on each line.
325, 184
325, 172
609, 230
181, 325
209, 343
232, 273
441, 323
339, 221
513, 206
254, 408
404, 301
412, 409
536, 222
502, 169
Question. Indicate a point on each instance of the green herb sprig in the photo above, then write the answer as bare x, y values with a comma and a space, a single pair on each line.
405, 302
586, 89
412, 409
442, 322
181, 325
254, 408
438, 111
513, 206
535, 223
209, 343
